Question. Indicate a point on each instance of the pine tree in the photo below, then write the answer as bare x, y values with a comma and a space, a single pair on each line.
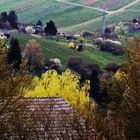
50, 28
13, 19
14, 54
4, 17
95, 85
39, 23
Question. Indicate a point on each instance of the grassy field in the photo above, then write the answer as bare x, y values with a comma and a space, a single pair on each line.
54, 49
122, 16
103, 4
62, 14
66, 15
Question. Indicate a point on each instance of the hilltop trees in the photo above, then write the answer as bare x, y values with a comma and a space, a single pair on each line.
50, 28
13, 19
3, 17
14, 53
10, 19
39, 22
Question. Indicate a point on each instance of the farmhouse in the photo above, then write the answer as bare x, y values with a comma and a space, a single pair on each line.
39, 29
30, 29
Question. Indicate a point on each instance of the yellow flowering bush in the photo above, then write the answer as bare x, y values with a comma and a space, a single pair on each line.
67, 86
71, 45
120, 75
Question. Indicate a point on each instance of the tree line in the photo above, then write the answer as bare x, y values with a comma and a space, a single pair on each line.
10, 17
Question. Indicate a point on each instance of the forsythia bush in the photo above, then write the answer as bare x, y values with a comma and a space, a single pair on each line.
120, 75
66, 86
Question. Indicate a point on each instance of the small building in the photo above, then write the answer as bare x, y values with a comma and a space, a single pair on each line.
39, 29
30, 30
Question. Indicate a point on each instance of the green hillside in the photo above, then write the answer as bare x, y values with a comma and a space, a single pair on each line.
54, 49
70, 17
62, 14
123, 15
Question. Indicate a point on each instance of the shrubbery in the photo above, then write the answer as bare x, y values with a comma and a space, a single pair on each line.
113, 47
75, 63
112, 67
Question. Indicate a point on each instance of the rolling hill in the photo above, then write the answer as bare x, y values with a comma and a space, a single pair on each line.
54, 49
73, 15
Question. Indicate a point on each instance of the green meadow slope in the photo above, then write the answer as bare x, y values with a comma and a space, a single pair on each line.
63, 14
54, 49
71, 17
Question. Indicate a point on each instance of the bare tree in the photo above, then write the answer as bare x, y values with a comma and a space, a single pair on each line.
34, 55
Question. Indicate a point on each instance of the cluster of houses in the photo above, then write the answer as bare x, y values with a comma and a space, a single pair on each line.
31, 28
40, 30
131, 26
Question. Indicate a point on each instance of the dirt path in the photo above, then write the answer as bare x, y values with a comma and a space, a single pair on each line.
125, 7
73, 27
79, 5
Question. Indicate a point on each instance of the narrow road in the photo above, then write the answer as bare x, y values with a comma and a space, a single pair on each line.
73, 27
79, 5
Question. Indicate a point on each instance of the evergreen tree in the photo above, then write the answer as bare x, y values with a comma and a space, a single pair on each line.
39, 23
13, 19
50, 28
107, 30
3, 17
14, 54
95, 85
